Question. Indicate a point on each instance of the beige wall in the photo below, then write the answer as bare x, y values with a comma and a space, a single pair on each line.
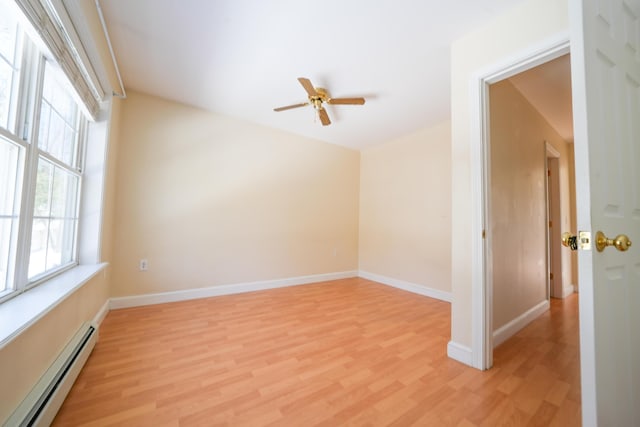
405, 208
29, 355
211, 200
518, 222
529, 23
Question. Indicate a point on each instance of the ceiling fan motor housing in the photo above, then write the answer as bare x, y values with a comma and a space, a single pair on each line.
317, 100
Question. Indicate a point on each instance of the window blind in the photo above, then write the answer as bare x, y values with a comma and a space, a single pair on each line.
48, 18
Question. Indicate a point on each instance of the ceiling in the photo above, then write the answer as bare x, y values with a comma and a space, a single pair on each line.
548, 88
241, 58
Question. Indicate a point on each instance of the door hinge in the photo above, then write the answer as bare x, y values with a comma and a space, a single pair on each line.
550, 224
551, 276
484, 234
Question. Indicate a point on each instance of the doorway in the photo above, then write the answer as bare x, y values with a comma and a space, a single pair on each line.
528, 134
607, 103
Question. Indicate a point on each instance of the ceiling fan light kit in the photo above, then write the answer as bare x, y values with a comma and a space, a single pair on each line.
317, 97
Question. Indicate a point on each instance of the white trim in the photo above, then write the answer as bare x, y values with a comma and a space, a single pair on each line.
510, 329
551, 150
481, 255
213, 291
123, 92
481, 286
407, 286
553, 201
101, 314
567, 290
92, 206
460, 352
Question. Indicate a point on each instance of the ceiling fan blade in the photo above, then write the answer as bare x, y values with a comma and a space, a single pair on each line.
346, 101
289, 107
306, 84
324, 117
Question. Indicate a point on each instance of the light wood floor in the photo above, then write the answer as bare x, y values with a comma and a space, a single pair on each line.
349, 352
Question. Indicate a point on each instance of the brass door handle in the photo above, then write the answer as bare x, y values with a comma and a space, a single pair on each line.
621, 242
570, 241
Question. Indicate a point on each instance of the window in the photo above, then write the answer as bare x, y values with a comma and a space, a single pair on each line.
10, 168
41, 154
55, 208
9, 58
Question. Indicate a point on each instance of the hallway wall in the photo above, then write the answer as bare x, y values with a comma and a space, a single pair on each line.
518, 225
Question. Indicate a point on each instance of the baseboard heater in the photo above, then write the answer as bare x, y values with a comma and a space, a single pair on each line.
41, 405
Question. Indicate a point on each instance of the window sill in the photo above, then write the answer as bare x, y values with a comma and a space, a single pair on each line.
20, 312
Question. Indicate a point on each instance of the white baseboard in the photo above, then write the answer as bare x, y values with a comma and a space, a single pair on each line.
407, 286
213, 291
102, 313
511, 328
567, 290
460, 352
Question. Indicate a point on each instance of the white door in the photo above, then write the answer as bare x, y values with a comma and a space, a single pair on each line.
605, 62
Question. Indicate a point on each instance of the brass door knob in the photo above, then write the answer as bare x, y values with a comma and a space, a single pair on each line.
621, 242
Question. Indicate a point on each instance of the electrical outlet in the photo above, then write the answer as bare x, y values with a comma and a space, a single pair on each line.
335, 252
144, 265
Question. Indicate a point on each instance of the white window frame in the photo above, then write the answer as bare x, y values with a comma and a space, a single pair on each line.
23, 131
18, 61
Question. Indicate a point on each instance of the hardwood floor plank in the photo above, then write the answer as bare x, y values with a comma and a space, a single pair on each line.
348, 352
557, 393
543, 417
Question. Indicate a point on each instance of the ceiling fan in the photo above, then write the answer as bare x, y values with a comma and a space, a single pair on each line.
319, 96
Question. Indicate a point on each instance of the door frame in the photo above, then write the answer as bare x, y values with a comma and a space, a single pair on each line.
481, 264
554, 215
